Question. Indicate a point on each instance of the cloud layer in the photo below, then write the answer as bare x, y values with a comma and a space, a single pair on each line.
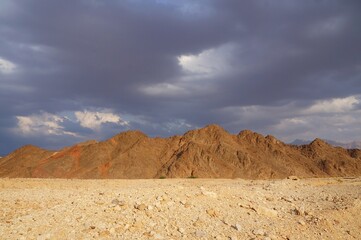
71, 70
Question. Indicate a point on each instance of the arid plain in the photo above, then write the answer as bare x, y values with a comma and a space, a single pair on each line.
324, 208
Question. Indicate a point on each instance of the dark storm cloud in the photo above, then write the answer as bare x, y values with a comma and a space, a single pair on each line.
125, 56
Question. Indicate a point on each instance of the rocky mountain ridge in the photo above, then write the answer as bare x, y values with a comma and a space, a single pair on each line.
347, 145
209, 152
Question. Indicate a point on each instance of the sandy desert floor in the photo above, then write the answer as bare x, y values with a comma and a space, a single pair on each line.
180, 209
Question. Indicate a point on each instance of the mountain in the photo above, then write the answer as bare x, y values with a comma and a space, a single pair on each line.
209, 152
349, 145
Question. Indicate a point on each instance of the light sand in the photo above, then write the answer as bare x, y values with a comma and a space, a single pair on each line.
180, 209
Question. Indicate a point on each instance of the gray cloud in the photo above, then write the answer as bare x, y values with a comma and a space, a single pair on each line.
167, 66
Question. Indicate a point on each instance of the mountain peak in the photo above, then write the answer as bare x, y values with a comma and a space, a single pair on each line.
127, 136
273, 139
213, 128
28, 147
319, 142
249, 134
131, 134
208, 133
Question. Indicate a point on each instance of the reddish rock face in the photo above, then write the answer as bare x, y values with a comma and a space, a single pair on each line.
210, 152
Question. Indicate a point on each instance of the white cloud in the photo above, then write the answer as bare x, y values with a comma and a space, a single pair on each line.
42, 124
335, 105
94, 120
210, 65
164, 89
336, 119
6, 66
212, 61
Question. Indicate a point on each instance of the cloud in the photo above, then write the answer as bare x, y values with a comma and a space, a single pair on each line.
6, 66
42, 124
209, 62
335, 105
275, 67
94, 120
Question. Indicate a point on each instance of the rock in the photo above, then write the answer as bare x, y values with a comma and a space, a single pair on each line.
259, 232
294, 178
302, 222
211, 212
208, 193
187, 205
226, 221
104, 233
299, 211
181, 230
140, 207
270, 199
137, 224
237, 226
158, 236
287, 199
265, 211
115, 201
200, 234
198, 223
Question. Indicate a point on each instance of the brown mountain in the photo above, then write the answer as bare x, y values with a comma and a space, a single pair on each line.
207, 152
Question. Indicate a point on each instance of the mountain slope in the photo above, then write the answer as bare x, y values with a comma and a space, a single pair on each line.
207, 152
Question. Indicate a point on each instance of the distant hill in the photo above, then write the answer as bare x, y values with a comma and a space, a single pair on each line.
350, 145
209, 152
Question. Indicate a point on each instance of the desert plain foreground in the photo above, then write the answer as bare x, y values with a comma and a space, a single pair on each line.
324, 208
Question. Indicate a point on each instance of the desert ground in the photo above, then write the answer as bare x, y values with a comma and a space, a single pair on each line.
324, 208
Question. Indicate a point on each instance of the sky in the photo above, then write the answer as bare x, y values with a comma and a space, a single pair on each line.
75, 70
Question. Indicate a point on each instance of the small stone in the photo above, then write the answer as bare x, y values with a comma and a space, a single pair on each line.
150, 207
209, 194
104, 233
181, 230
115, 201
286, 199
137, 224
158, 236
198, 223
265, 211
232, 238
259, 232
200, 234
302, 222
238, 227
92, 227
294, 178
141, 207
187, 205
299, 211
226, 221
270, 199
211, 212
